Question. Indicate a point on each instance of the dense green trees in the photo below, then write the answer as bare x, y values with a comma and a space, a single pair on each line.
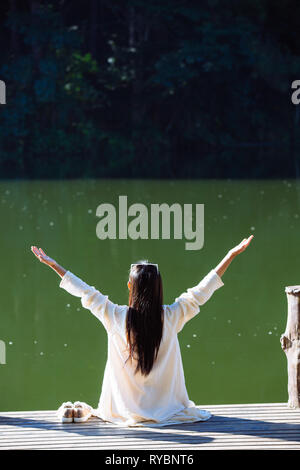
133, 88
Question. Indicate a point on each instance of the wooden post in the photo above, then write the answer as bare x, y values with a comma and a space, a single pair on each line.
290, 343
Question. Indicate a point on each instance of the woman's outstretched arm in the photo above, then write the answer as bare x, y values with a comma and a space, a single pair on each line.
41, 255
223, 265
91, 299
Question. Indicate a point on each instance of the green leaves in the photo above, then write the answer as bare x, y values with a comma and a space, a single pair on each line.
156, 89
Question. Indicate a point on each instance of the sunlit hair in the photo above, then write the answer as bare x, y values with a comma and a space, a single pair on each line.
144, 323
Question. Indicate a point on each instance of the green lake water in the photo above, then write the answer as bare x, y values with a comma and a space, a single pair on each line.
56, 350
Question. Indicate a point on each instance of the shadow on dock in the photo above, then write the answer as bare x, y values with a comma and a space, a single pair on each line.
187, 433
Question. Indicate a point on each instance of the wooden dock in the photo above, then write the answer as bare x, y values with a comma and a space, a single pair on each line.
254, 426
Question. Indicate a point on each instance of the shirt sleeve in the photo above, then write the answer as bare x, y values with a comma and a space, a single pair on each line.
187, 305
91, 298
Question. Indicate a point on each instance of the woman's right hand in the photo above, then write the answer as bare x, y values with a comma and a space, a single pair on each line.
241, 246
41, 255
221, 268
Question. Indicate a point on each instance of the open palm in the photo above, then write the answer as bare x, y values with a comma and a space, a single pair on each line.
41, 255
241, 246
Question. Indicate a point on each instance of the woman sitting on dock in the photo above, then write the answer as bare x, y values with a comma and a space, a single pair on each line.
143, 383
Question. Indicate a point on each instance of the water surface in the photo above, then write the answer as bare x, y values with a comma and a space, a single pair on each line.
56, 350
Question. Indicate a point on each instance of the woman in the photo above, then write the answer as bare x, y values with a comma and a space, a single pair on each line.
143, 382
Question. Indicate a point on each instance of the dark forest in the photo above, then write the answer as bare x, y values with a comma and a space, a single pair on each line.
149, 89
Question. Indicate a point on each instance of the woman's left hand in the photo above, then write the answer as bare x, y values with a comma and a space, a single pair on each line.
41, 255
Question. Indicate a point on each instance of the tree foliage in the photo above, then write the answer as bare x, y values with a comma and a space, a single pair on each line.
131, 88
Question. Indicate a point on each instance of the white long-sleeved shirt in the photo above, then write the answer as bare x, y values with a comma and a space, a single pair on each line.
160, 398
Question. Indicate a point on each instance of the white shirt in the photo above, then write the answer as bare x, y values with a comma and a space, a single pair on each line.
160, 398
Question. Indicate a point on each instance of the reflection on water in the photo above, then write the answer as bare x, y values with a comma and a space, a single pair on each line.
56, 350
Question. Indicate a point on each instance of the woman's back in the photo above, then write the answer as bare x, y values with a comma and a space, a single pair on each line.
143, 380
129, 397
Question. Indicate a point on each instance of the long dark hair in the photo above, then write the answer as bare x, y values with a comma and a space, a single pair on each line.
144, 323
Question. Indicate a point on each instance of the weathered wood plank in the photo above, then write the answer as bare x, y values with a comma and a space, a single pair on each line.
249, 426
146, 442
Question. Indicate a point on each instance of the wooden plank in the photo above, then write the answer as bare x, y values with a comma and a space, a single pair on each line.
215, 411
233, 406
213, 439
230, 412
24, 422
146, 443
232, 430
241, 427
228, 430
261, 426
157, 446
